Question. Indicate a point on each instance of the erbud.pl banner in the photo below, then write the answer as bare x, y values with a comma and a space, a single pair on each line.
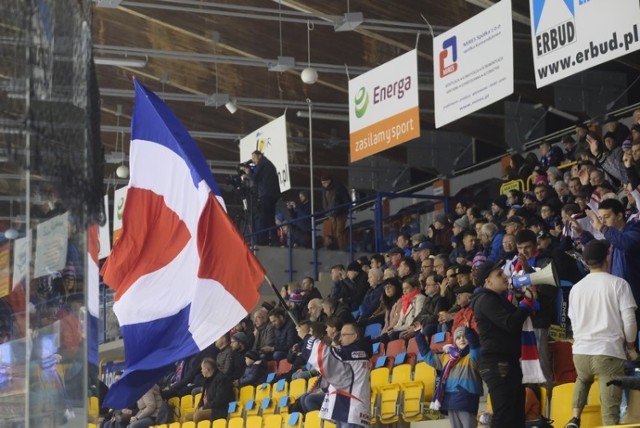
383, 107
570, 36
473, 64
271, 140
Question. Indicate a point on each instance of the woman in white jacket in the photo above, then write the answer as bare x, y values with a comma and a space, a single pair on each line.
411, 304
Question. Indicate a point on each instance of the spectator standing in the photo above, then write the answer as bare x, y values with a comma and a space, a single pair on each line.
264, 178
500, 329
600, 341
300, 210
624, 238
348, 372
334, 195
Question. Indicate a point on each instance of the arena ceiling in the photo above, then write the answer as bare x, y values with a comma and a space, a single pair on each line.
192, 49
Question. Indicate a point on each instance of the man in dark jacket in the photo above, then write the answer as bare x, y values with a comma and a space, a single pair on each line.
301, 229
285, 333
309, 292
264, 178
333, 308
500, 327
217, 393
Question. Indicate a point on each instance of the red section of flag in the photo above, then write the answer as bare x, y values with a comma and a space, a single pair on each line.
94, 243
153, 235
225, 257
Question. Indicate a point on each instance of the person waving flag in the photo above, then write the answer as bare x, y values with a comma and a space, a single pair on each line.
182, 274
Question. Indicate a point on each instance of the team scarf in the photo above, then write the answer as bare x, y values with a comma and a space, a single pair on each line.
454, 357
406, 300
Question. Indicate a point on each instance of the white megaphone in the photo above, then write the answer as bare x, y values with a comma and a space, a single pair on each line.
546, 275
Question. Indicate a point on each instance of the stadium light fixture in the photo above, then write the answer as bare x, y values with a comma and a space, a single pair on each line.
121, 62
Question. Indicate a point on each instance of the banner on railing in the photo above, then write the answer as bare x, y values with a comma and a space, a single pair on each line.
473, 64
271, 140
51, 245
384, 109
119, 199
103, 234
570, 36
5, 270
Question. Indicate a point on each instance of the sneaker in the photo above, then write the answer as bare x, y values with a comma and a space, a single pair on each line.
573, 423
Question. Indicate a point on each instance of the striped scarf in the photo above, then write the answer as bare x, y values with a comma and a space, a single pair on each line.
530, 359
454, 356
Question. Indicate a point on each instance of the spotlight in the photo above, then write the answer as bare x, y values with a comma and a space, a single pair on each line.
309, 75
232, 106
11, 234
122, 171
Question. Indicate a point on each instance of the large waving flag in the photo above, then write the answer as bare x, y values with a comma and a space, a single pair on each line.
183, 275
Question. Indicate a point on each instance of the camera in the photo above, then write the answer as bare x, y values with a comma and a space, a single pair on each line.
248, 164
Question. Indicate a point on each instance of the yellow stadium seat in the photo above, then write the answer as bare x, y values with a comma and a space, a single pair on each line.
254, 422
262, 391
219, 423
388, 409
272, 421
379, 377
186, 405
592, 413
189, 424
328, 424
174, 425
401, 374
311, 383
544, 401
90, 425
204, 424
246, 394
426, 374
93, 408
236, 423
560, 406
293, 420
312, 419
279, 390
297, 387
196, 399
412, 403
157, 426
174, 402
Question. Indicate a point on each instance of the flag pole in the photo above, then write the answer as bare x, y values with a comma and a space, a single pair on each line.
284, 304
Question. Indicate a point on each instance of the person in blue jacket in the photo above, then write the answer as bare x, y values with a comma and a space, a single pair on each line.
460, 388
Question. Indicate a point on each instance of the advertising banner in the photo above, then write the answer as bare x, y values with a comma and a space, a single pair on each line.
119, 198
271, 140
20, 266
383, 107
5, 270
52, 240
570, 36
473, 64
103, 234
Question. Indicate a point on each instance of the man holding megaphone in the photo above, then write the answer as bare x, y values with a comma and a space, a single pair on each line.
527, 272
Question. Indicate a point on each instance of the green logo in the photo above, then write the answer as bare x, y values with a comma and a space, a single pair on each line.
362, 102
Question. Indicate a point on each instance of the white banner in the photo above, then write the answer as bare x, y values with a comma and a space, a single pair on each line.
384, 109
271, 140
52, 240
20, 266
570, 36
119, 199
103, 235
473, 64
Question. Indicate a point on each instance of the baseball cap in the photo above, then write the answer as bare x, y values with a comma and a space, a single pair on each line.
513, 219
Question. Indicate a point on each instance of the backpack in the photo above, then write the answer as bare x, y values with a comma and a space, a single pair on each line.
166, 414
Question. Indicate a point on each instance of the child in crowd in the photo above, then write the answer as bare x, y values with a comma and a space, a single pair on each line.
256, 371
460, 387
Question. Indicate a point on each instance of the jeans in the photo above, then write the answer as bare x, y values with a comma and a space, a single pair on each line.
504, 380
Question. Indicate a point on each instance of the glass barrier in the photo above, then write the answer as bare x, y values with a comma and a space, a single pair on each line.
49, 182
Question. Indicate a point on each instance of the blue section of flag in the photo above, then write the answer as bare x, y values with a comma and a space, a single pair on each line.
148, 361
153, 121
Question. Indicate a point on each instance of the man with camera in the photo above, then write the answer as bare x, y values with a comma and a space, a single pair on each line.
264, 178
500, 327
